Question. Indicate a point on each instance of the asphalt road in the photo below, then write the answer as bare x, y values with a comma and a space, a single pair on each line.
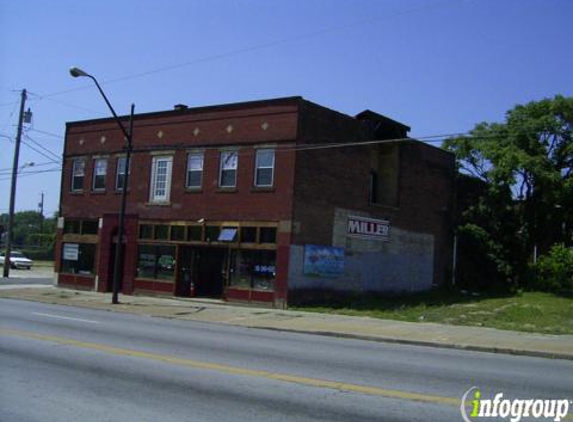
62, 363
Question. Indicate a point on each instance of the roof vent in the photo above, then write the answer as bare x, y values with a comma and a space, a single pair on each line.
180, 107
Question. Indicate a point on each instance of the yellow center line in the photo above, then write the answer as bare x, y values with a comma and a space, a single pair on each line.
227, 369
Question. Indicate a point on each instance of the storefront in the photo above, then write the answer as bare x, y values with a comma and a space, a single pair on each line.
79, 253
228, 260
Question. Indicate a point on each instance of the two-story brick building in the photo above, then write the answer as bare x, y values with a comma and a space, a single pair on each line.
264, 201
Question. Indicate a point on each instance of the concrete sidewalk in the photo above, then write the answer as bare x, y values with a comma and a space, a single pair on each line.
426, 334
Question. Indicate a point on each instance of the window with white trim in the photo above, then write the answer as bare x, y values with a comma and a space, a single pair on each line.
120, 172
100, 171
78, 174
194, 177
161, 178
264, 167
228, 169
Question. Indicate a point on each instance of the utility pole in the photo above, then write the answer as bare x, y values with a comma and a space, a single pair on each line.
9, 233
41, 206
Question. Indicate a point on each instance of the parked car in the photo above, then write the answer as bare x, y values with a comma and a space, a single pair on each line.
17, 260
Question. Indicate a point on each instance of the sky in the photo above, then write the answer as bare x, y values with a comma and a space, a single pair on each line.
439, 66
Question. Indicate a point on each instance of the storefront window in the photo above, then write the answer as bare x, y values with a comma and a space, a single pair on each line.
195, 233
72, 226
212, 233
90, 226
165, 269
177, 232
146, 231
156, 262
162, 232
78, 258
249, 234
268, 235
253, 269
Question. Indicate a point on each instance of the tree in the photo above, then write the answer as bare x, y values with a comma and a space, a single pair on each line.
526, 165
32, 233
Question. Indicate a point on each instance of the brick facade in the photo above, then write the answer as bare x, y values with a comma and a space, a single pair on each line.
309, 185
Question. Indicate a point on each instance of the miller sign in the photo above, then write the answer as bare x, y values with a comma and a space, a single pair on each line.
368, 228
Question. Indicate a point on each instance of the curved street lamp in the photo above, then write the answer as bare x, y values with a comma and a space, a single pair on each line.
77, 72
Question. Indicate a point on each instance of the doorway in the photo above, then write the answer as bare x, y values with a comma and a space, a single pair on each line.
202, 272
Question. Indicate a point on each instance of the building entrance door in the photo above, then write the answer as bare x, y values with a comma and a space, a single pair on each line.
187, 272
209, 266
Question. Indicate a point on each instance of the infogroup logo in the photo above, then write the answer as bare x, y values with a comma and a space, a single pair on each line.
514, 409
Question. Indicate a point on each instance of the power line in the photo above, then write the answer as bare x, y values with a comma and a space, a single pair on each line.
10, 116
42, 147
32, 173
40, 152
41, 97
255, 47
54, 135
9, 169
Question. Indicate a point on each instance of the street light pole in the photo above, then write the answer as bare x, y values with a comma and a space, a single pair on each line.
76, 72
120, 227
9, 234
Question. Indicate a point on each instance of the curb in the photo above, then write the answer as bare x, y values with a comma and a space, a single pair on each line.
393, 340
380, 339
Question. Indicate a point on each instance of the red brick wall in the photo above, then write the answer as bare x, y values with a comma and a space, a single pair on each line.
339, 178
245, 204
273, 124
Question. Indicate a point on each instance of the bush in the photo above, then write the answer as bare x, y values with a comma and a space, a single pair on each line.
554, 271
39, 254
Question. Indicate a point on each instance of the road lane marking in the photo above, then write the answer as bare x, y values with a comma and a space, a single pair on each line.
65, 317
232, 370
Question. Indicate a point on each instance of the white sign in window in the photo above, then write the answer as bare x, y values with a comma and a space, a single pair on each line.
71, 251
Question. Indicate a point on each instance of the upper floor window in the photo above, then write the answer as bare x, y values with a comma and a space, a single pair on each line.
161, 178
100, 171
78, 174
228, 169
264, 167
120, 173
194, 170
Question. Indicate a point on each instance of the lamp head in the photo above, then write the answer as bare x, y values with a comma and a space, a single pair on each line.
76, 71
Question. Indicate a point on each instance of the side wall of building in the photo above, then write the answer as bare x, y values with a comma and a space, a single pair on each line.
332, 184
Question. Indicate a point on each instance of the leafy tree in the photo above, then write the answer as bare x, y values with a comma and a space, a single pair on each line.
31, 229
525, 164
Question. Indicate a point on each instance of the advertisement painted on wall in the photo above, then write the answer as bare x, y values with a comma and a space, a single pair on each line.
323, 261
368, 228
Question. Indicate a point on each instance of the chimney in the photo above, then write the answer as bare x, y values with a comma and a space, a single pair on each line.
180, 107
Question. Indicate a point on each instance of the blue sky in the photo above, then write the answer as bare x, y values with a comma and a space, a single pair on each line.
439, 66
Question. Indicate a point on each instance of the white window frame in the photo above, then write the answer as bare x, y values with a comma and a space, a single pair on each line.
257, 167
155, 185
189, 170
118, 173
75, 173
222, 162
95, 173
